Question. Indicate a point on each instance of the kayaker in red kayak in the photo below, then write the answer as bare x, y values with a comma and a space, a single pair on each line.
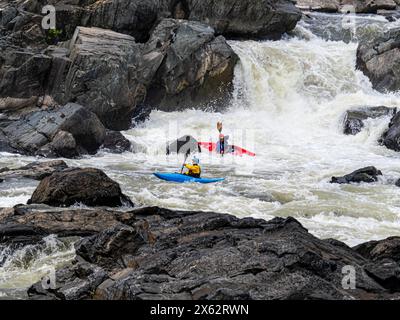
222, 144
194, 170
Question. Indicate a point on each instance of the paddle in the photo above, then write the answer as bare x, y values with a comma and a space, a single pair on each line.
186, 156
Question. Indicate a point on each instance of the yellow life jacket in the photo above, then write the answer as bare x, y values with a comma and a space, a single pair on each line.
194, 170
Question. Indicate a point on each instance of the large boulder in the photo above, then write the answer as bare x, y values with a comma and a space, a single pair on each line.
204, 255
88, 186
65, 131
380, 61
391, 137
115, 142
103, 74
197, 69
355, 117
367, 174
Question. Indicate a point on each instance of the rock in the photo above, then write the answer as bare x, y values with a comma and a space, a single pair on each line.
256, 18
362, 6
391, 137
319, 5
43, 132
103, 76
379, 250
86, 277
197, 70
164, 254
358, 6
63, 144
88, 186
185, 145
354, 118
115, 142
380, 61
259, 18
34, 170
29, 224
368, 175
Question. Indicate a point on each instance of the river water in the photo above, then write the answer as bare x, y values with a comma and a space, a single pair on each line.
289, 101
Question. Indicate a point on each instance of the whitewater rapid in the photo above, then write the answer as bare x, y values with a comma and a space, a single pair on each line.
289, 101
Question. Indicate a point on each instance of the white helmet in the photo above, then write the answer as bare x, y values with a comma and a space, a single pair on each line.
196, 160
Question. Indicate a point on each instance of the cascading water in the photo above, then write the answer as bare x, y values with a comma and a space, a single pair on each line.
290, 97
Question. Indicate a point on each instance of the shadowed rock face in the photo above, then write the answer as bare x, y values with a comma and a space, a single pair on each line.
45, 131
253, 18
89, 186
163, 254
380, 61
197, 69
391, 137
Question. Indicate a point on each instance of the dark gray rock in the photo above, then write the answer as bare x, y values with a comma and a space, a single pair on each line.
115, 142
355, 117
103, 75
164, 254
256, 18
34, 170
29, 224
380, 61
391, 137
61, 131
360, 6
197, 69
367, 174
379, 250
185, 145
89, 186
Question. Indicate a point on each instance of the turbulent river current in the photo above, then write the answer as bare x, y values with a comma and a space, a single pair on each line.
289, 100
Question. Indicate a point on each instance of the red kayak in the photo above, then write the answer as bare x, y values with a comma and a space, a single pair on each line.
231, 149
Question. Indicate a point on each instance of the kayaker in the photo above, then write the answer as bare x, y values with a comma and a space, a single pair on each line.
194, 170
222, 144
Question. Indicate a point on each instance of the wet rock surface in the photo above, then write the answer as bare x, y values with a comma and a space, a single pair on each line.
367, 174
34, 170
66, 131
355, 117
380, 61
163, 254
88, 186
391, 137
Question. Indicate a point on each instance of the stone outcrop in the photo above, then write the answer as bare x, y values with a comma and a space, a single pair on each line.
380, 61
163, 254
88, 186
65, 131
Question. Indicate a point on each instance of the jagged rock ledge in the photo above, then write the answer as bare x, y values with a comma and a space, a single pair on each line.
155, 253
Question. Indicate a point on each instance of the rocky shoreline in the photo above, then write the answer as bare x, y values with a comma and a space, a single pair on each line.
155, 253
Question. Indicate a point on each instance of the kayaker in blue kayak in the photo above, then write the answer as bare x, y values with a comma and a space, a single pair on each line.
194, 170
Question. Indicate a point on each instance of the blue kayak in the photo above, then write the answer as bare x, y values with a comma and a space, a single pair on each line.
182, 178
